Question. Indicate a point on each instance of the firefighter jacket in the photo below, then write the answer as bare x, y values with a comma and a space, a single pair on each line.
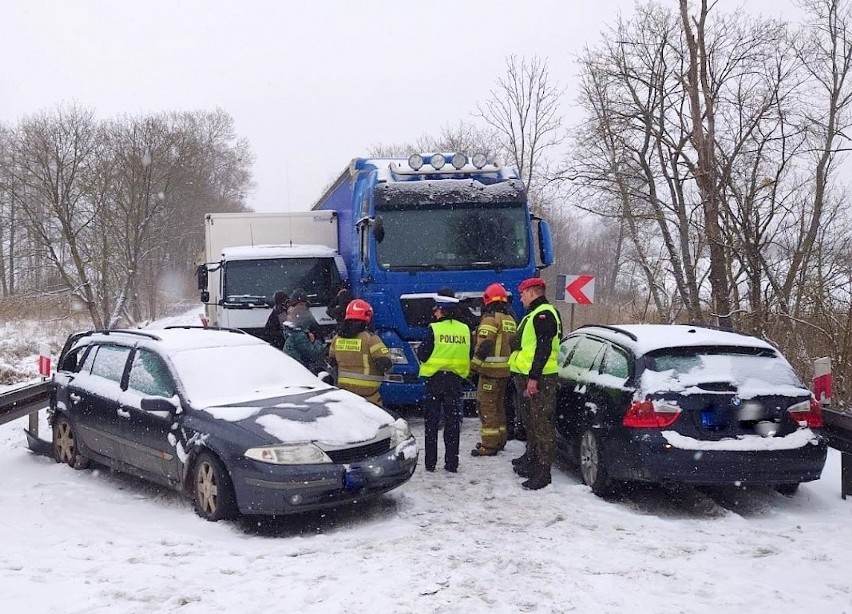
539, 333
493, 339
361, 362
450, 349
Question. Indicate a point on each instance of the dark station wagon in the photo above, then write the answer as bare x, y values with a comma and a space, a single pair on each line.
225, 417
684, 404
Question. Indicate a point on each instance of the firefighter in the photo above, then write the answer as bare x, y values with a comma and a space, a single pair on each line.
491, 362
445, 363
535, 361
358, 355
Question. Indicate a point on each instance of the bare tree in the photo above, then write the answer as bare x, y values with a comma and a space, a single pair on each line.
524, 112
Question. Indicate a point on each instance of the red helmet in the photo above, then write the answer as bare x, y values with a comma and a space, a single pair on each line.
359, 310
494, 292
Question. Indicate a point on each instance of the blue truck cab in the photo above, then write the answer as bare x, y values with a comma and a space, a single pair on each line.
407, 228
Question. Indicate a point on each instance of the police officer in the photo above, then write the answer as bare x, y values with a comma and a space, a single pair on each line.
491, 361
535, 360
444, 358
359, 356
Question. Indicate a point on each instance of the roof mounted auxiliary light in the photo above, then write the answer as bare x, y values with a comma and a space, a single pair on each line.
459, 160
437, 161
479, 160
415, 161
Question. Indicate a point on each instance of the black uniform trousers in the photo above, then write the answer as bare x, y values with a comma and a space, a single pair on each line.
443, 399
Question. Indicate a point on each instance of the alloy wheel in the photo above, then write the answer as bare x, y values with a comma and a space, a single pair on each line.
589, 459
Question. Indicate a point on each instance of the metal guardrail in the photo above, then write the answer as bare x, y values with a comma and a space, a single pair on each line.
23, 401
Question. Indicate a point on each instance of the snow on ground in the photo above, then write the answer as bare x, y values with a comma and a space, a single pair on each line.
95, 541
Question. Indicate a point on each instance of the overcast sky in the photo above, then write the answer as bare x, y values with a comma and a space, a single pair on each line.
309, 84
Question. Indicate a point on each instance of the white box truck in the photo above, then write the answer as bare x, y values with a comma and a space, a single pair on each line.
250, 256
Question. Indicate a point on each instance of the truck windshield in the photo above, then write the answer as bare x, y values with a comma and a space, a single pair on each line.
457, 236
253, 281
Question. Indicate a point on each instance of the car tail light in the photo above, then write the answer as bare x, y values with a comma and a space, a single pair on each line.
650, 414
807, 413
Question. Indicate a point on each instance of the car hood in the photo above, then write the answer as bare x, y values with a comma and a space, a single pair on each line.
330, 416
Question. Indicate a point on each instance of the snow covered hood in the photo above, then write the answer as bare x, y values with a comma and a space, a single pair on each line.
330, 416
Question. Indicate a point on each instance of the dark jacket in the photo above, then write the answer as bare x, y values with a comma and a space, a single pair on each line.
273, 332
337, 306
546, 328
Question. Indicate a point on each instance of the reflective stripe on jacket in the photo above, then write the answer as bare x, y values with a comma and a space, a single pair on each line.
356, 365
452, 349
500, 328
521, 361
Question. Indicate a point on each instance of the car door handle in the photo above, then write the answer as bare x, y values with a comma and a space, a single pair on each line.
123, 412
75, 398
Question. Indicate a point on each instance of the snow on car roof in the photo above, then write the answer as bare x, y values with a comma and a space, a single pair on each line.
260, 252
650, 337
173, 340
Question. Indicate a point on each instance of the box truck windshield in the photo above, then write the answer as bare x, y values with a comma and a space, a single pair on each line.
249, 280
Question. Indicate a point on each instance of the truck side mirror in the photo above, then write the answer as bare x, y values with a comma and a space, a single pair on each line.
201, 276
205, 296
378, 227
545, 243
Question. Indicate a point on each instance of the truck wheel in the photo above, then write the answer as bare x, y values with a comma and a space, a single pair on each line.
593, 465
213, 494
65, 449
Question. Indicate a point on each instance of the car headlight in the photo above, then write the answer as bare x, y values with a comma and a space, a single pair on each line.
397, 356
295, 454
399, 432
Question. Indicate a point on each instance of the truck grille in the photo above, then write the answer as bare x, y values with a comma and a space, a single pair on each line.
351, 455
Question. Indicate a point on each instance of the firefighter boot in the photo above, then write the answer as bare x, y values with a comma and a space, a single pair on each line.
539, 477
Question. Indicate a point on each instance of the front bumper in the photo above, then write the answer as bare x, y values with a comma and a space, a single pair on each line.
268, 489
648, 457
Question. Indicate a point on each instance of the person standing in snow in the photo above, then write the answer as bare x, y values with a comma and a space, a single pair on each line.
359, 356
534, 359
444, 358
301, 332
494, 335
274, 329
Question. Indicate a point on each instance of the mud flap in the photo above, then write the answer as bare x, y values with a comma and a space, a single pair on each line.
39, 446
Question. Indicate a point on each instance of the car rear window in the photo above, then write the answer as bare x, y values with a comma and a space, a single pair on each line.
684, 367
109, 362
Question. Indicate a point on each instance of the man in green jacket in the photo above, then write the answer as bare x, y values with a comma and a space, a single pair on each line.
534, 359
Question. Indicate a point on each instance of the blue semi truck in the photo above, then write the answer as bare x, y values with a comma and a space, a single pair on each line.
407, 228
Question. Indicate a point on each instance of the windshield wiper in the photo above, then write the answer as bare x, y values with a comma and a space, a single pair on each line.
497, 265
246, 299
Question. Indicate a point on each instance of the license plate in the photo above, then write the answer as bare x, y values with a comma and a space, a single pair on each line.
469, 395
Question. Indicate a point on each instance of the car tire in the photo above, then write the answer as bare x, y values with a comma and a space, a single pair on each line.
787, 489
593, 464
213, 494
65, 447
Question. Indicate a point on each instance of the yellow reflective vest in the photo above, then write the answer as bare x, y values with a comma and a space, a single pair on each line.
521, 360
452, 349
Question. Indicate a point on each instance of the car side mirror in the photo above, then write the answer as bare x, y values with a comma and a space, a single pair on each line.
158, 405
205, 296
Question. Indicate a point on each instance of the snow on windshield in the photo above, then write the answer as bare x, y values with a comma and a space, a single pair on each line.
751, 375
221, 375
